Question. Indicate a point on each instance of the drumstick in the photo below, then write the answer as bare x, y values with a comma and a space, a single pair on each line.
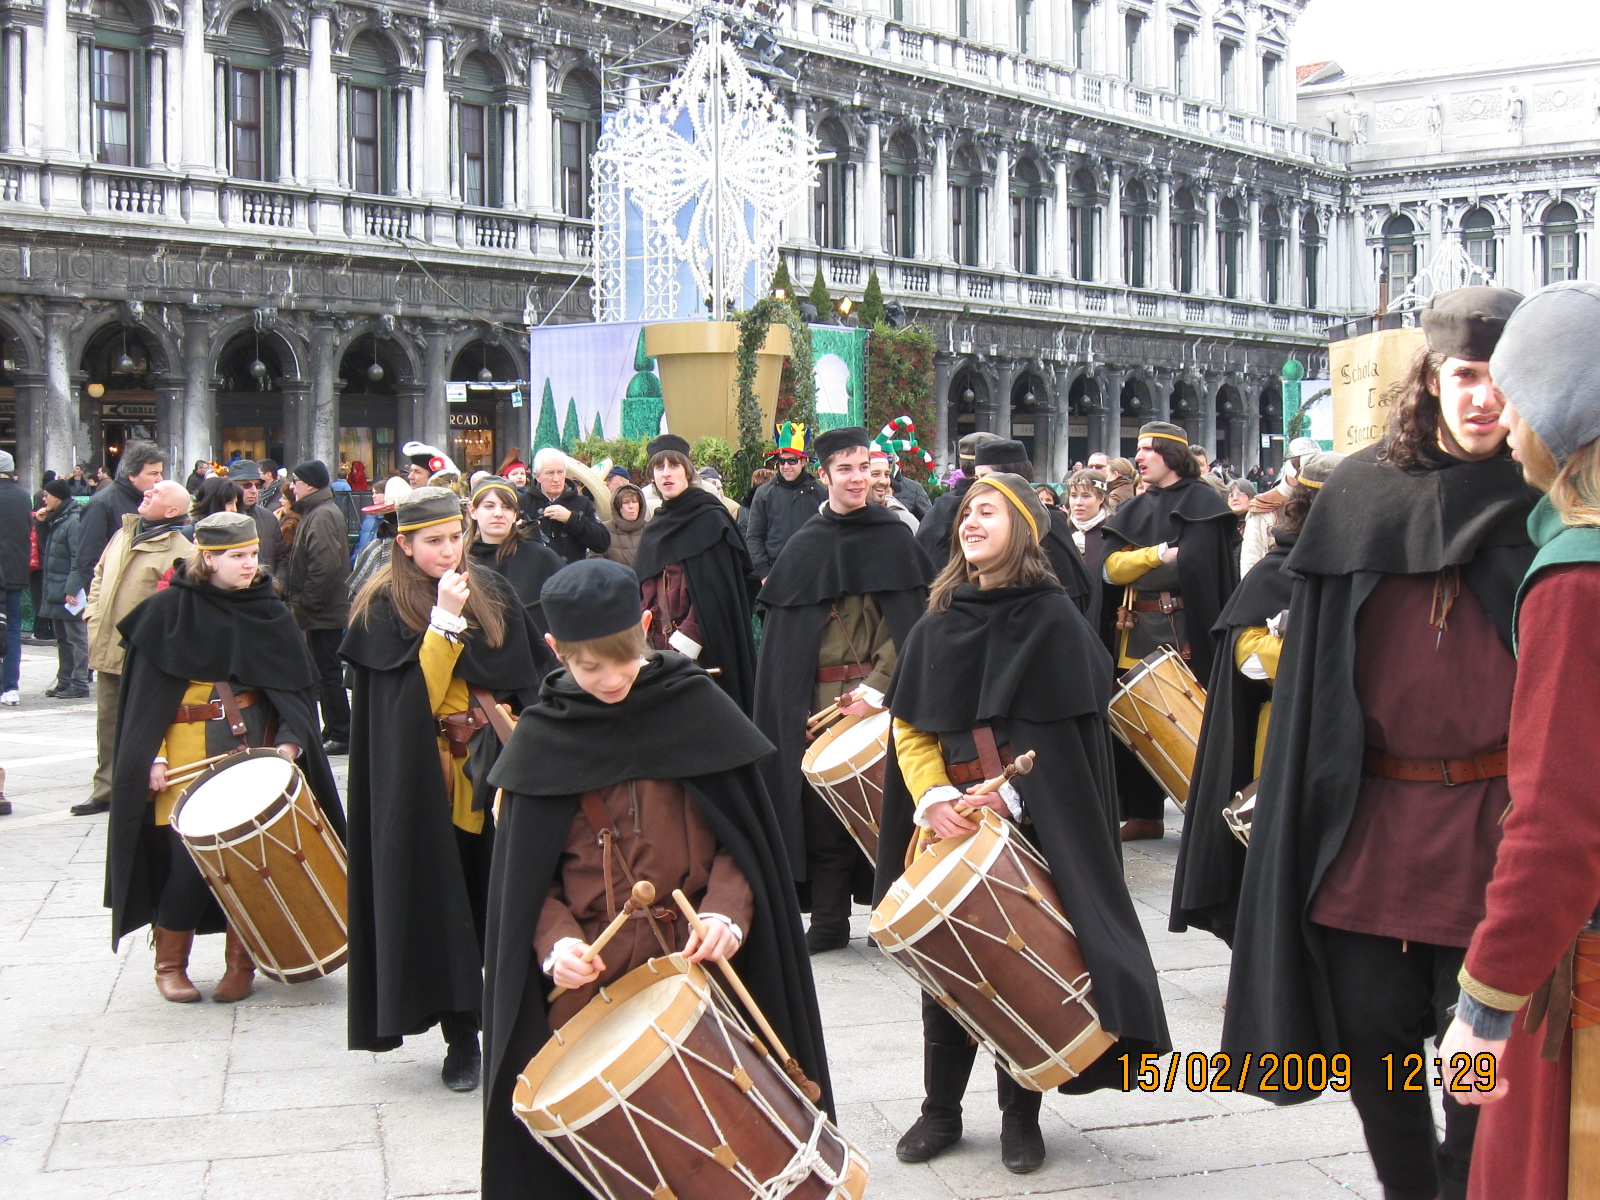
811, 1090
824, 716
1020, 765
644, 895
189, 771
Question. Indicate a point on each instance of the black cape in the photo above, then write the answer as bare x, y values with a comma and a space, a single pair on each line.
695, 530
866, 552
1071, 571
1190, 515
415, 924
1205, 884
194, 632
1025, 661
526, 569
675, 724
1371, 519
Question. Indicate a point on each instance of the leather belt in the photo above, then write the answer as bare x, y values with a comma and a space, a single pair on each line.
458, 729
963, 773
1452, 772
1167, 603
190, 713
843, 674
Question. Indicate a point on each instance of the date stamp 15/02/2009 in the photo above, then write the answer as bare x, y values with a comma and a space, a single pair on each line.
1199, 1072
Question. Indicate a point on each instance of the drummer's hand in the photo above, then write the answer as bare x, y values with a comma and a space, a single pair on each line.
571, 972
719, 943
946, 822
453, 592
1459, 1039
1170, 554
992, 800
859, 705
158, 777
289, 750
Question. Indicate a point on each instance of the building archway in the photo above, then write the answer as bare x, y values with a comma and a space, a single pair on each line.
1230, 405
482, 420
969, 395
1084, 401
1270, 425
372, 373
250, 378
1136, 408
122, 367
1031, 417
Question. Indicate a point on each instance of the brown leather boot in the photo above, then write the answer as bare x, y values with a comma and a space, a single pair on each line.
238, 981
1140, 829
172, 964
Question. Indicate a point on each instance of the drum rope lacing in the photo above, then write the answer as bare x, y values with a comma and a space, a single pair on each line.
922, 968
1128, 727
261, 948
803, 1163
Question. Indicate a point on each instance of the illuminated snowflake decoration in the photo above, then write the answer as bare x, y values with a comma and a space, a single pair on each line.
694, 187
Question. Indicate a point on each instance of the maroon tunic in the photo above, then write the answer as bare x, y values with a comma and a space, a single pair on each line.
1417, 856
1546, 879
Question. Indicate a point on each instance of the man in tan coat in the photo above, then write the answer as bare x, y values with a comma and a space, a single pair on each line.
128, 572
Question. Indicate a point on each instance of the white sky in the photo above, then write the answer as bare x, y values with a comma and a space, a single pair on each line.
1387, 35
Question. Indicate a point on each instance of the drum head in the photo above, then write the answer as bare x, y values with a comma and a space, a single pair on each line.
233, 795
603, 1043
852, 742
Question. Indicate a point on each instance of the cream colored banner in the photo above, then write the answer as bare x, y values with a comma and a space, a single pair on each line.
1367, 372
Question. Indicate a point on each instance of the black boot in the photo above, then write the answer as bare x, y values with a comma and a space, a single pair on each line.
1021, 1142
463, 1061
830, 911
945, 1070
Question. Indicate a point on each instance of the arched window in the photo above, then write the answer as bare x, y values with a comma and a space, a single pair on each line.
114, 65
835, 190
1230, 247
1027, 217
1478, 240
479, 133
250, 87
1311, 257
967, 205
1399, 253
1137, 222
903, 198
577, 130
373, 116
1274, 248
1187, 227
1085, 225
1560, 243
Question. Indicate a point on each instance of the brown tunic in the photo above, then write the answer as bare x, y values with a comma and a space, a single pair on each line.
860, 630
665, 840
667, 596
1417, 856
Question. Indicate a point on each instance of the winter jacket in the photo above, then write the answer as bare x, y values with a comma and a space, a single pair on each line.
274, 554
913, 495
778, 509
573, 539
59, 534
625, 535
124, 577
16, 521
315, 585
102, 518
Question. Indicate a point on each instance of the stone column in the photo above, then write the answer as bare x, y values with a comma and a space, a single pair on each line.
296, 406
60, 53
1000, 398
58, 420
197, 115
1292, 291
1208, 252
196, 436
435, 163
1251, 266
1044, 438
1061, 219
1114, 272
30, 402
541, 159
322, 124
939, 238
872, 193
1163, 263
1515, 274
944, 366
999, 255
434, 413
409, 425
320, 431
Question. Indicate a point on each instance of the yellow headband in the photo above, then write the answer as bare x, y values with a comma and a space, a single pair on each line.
1016, 502
232, 546
1307, 483
430, 524
1171, 437
493, 487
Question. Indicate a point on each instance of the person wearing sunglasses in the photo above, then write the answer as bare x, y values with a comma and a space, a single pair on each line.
274, 554
780, 507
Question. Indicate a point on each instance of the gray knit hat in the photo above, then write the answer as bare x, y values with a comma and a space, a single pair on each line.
1547, 365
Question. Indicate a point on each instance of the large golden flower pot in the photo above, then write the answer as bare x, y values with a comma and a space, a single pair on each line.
698, 365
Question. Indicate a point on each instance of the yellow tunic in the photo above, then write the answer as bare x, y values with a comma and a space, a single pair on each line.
185, 743
1258, 640
448, 695
1123, 567
921, 759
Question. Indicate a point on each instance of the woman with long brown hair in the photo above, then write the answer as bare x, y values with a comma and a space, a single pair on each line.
1002, 663
436, 649
498, 541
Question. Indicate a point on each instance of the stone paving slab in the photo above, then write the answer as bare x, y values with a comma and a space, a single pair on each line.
107, 1091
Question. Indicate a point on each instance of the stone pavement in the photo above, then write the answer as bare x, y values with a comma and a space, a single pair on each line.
107, 1091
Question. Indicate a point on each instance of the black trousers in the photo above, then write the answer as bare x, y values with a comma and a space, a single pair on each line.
1390, 997
184, 902
324, 644
1139, 796
831, 860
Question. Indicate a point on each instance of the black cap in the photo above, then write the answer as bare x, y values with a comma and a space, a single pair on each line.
667, 441
59, 488
1466, 323
593, 598
999, 454
312, 472
832, 441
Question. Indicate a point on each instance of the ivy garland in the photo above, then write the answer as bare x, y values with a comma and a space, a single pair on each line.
754, 323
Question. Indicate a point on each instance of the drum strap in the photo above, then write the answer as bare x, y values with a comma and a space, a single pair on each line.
230, 709
492, 712
605, 831
988, 753
848, 640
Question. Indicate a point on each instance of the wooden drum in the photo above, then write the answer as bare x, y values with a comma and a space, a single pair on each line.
845, 765
976, 921
1157, 711
261, 841
656, 1089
